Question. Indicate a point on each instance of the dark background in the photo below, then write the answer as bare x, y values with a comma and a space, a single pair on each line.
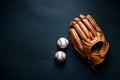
29, 30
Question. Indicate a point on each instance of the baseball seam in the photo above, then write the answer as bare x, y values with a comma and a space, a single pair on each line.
60, 43
62, 56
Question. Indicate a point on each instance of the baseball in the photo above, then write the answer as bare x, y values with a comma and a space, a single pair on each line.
60, 56
62, 43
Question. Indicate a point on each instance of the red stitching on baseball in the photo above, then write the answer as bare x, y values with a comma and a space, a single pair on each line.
62, 56
60, 43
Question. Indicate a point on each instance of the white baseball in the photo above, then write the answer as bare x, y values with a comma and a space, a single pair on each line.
62, 43
60, 56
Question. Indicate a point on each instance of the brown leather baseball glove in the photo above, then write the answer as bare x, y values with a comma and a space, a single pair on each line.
88, 39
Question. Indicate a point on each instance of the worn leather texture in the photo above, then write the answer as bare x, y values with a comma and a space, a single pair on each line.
29, 30
88, 39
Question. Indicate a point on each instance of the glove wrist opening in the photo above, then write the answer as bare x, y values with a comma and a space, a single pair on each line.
97, 46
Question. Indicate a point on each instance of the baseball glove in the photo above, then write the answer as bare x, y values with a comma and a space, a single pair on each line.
88, 39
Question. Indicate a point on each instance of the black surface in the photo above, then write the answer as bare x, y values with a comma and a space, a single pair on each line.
29, 30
